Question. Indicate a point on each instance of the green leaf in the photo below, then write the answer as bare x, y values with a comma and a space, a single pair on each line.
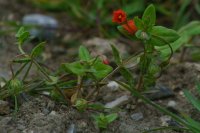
84, 54
192, 28
186, 32
55, 95
116, 55
103, 120
139, 23
127, 76
149, 16
81, 105
22, 60
75, 67
162, 36
111, 117
192, 99
22, 35
144, 63
54, 80
194, 125
37, 50
96, 106
100, 70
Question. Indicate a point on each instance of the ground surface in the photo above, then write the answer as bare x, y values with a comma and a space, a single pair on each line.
42, 115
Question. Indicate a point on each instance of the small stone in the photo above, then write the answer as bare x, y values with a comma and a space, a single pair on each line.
71, 129
45, 111
2, 84
43, 26
159, 92
114, 86
164, 120
4, 108
53, 113
171, 103
137, 116
117, 102
181, 94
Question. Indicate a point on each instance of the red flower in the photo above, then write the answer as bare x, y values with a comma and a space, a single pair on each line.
119, 16
130, 27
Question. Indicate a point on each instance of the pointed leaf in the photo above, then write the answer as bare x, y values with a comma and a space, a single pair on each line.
116, 55
149, 16
37, 50
111, 117
192, 99
22, 35
84, 54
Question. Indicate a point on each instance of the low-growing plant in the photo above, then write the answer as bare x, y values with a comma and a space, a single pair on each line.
159, 44
78, 82
103, 120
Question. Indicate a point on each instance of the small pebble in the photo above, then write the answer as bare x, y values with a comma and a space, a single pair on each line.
117, 102
45, 111
164, 120
114, 86
171, 103
160, 92
2, 84
53, 113
43, 26
137, 116
71, 129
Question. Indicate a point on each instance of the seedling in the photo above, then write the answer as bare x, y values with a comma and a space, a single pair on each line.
103, 120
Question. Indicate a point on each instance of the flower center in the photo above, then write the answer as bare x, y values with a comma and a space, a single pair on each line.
120, 16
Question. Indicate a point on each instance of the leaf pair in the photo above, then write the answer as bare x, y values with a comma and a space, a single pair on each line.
88, 65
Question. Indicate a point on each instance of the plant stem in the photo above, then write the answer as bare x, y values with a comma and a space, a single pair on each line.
20, 49
177, 118
79, 85
125, 62
49, 79
27, 72
140, 82
166, 128
16, 105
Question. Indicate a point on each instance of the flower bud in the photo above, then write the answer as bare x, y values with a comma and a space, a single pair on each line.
15, 86
106, 62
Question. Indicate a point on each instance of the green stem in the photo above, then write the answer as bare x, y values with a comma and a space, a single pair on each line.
50, 80
42, 71
125, 62
15, 75
27, 72
20, 49
166, 128
16, 105
174, 116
